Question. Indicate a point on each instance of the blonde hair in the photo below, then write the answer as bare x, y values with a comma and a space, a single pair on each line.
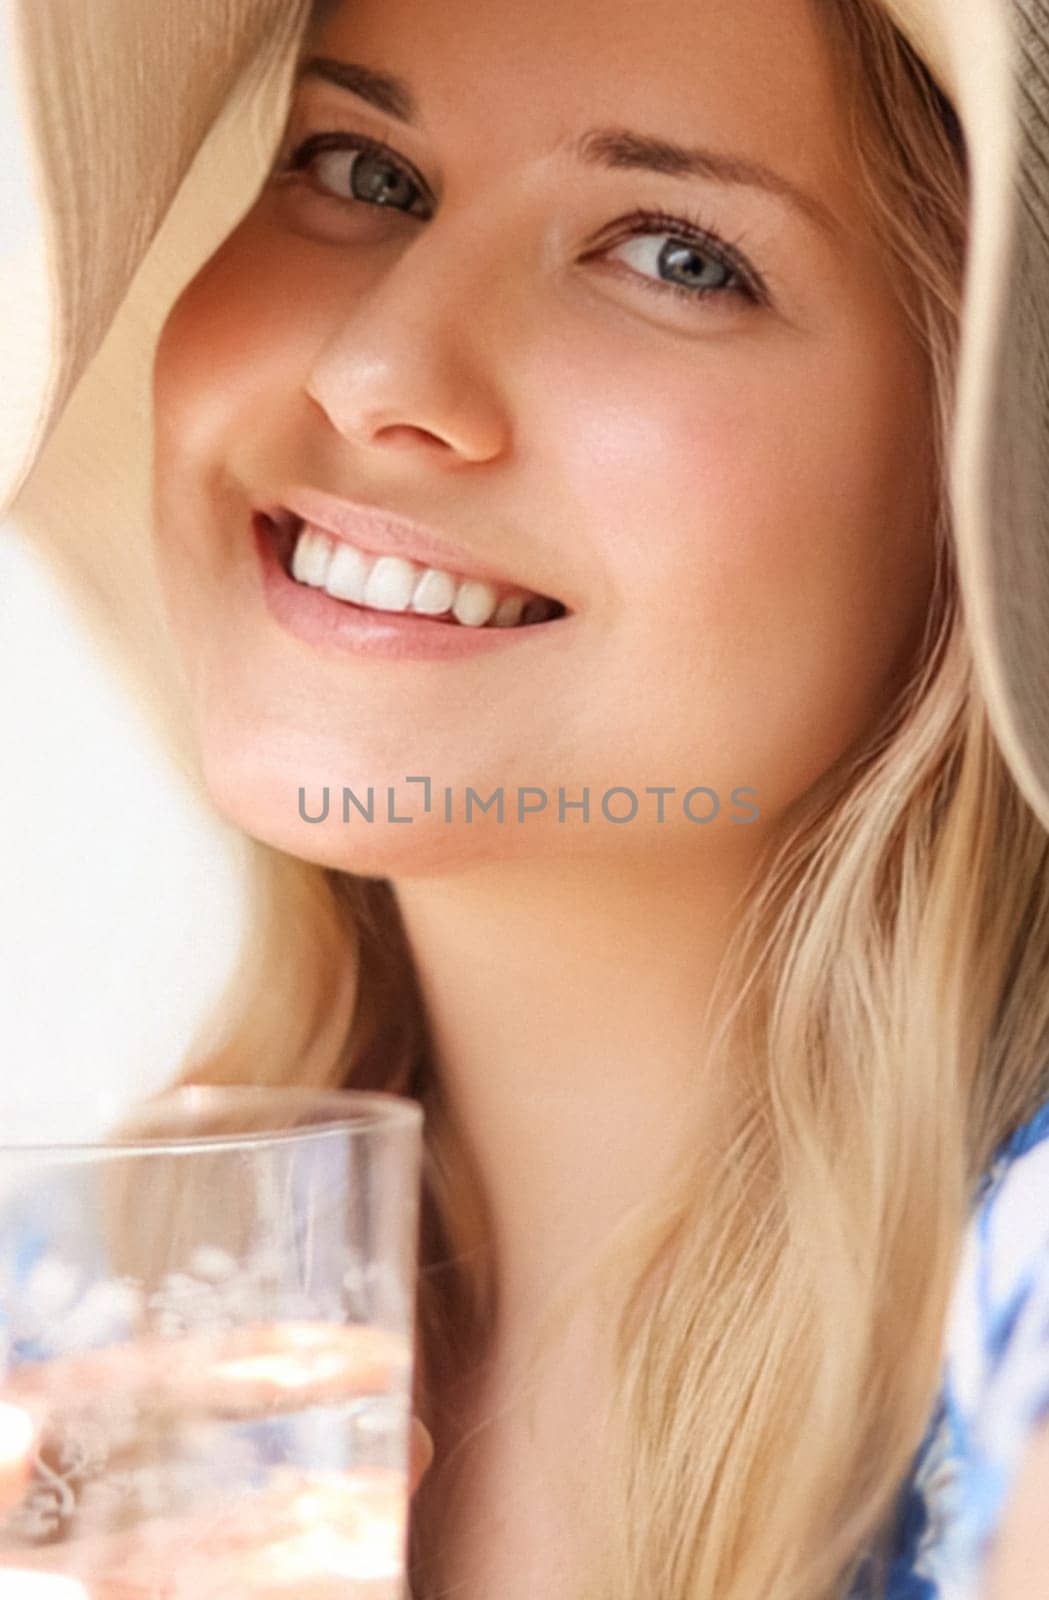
885, 1022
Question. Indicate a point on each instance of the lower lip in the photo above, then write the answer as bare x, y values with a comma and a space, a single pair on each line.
315, 616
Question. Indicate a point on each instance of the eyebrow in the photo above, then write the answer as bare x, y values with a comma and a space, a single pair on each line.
609, 147
380, 89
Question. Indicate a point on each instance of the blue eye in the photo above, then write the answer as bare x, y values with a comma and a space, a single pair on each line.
373, 175
354, 167
705, 265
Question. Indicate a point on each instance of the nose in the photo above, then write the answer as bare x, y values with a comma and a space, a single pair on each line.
416, 362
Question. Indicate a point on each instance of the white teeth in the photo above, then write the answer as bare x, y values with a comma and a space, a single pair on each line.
312, 557
474, 603
434, 592
390, 584
348, 573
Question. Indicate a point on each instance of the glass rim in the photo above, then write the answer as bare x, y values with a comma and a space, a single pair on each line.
363, 1111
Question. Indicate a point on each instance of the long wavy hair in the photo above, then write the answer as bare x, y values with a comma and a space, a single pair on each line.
884, 1022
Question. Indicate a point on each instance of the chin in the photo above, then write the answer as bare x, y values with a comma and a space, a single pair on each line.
263, 801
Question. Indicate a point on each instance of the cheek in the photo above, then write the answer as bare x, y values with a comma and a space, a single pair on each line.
231, 339
226, 368
209, 378
761, 506
770, 480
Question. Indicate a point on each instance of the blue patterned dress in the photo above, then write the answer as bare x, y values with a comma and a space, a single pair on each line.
995, 1387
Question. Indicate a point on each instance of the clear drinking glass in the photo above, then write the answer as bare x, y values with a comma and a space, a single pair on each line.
207, 1329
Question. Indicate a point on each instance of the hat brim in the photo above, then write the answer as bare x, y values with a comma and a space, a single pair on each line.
146, 132
127, 116
993, 58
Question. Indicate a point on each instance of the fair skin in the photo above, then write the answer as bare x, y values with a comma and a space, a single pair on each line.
730, 494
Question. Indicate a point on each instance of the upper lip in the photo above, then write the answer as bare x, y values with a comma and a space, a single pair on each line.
382, 532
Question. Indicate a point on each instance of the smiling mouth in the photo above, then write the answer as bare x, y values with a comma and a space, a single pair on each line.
509, 607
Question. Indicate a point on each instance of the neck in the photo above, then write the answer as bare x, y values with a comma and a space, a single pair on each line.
568, 1012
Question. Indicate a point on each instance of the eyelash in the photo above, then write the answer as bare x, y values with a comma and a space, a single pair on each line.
685, 229
691, 230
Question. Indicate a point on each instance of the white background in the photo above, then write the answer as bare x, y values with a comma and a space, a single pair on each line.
121, 901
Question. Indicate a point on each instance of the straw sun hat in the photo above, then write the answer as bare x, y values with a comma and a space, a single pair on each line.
146, 129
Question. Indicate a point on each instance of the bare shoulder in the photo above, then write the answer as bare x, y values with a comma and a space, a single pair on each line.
1018, 1565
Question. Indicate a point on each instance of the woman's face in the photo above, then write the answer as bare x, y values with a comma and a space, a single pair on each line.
728, 490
